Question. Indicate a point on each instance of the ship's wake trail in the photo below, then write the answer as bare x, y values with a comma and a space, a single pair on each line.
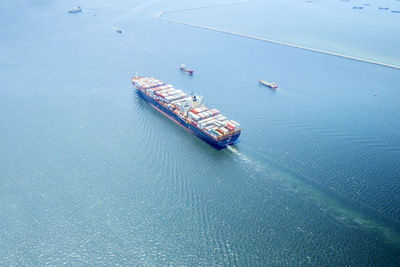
237, 153
345, 213
137, 9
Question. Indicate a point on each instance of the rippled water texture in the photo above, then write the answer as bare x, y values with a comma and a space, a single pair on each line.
90, 174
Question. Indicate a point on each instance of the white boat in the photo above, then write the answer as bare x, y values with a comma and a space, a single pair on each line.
75, 10
271, 85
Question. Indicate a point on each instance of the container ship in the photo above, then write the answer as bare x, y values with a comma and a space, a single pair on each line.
186, 69
268, 84
188, 111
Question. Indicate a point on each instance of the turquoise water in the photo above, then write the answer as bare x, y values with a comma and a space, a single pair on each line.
92, 175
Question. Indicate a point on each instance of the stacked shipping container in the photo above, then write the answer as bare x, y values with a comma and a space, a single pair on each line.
209, 121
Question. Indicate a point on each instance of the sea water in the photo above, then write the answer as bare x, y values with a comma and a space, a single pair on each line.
92, 175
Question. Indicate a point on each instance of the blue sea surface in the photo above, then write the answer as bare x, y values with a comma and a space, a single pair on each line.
91, 175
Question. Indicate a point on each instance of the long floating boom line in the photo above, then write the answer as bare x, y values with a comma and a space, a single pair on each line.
265, 39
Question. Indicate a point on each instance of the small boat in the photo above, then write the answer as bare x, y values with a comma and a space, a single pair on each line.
118, 30
186, 69
358, 7
75, 10
271, 85
383, 8
395, 11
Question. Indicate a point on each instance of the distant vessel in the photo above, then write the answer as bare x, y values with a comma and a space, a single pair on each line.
383, 8
358, 7
118, 30
395, 11
188, 112
75, 10
186, 69
271, 85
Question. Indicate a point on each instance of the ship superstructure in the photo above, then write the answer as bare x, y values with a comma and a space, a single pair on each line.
188, 111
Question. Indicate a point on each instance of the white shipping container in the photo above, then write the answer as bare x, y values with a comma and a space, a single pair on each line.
231, 125
179, 95
214, 111
209, 114
218, 123
200, 109
210, 127
224, 130
221, 118
196, 117
207, 123
235, 123
174, 97
167, 99
177, 101
196, 110
204, 114
218, 117
159, 92
168, 91
204, 120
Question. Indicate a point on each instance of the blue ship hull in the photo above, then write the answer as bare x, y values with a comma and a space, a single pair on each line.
219, 144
